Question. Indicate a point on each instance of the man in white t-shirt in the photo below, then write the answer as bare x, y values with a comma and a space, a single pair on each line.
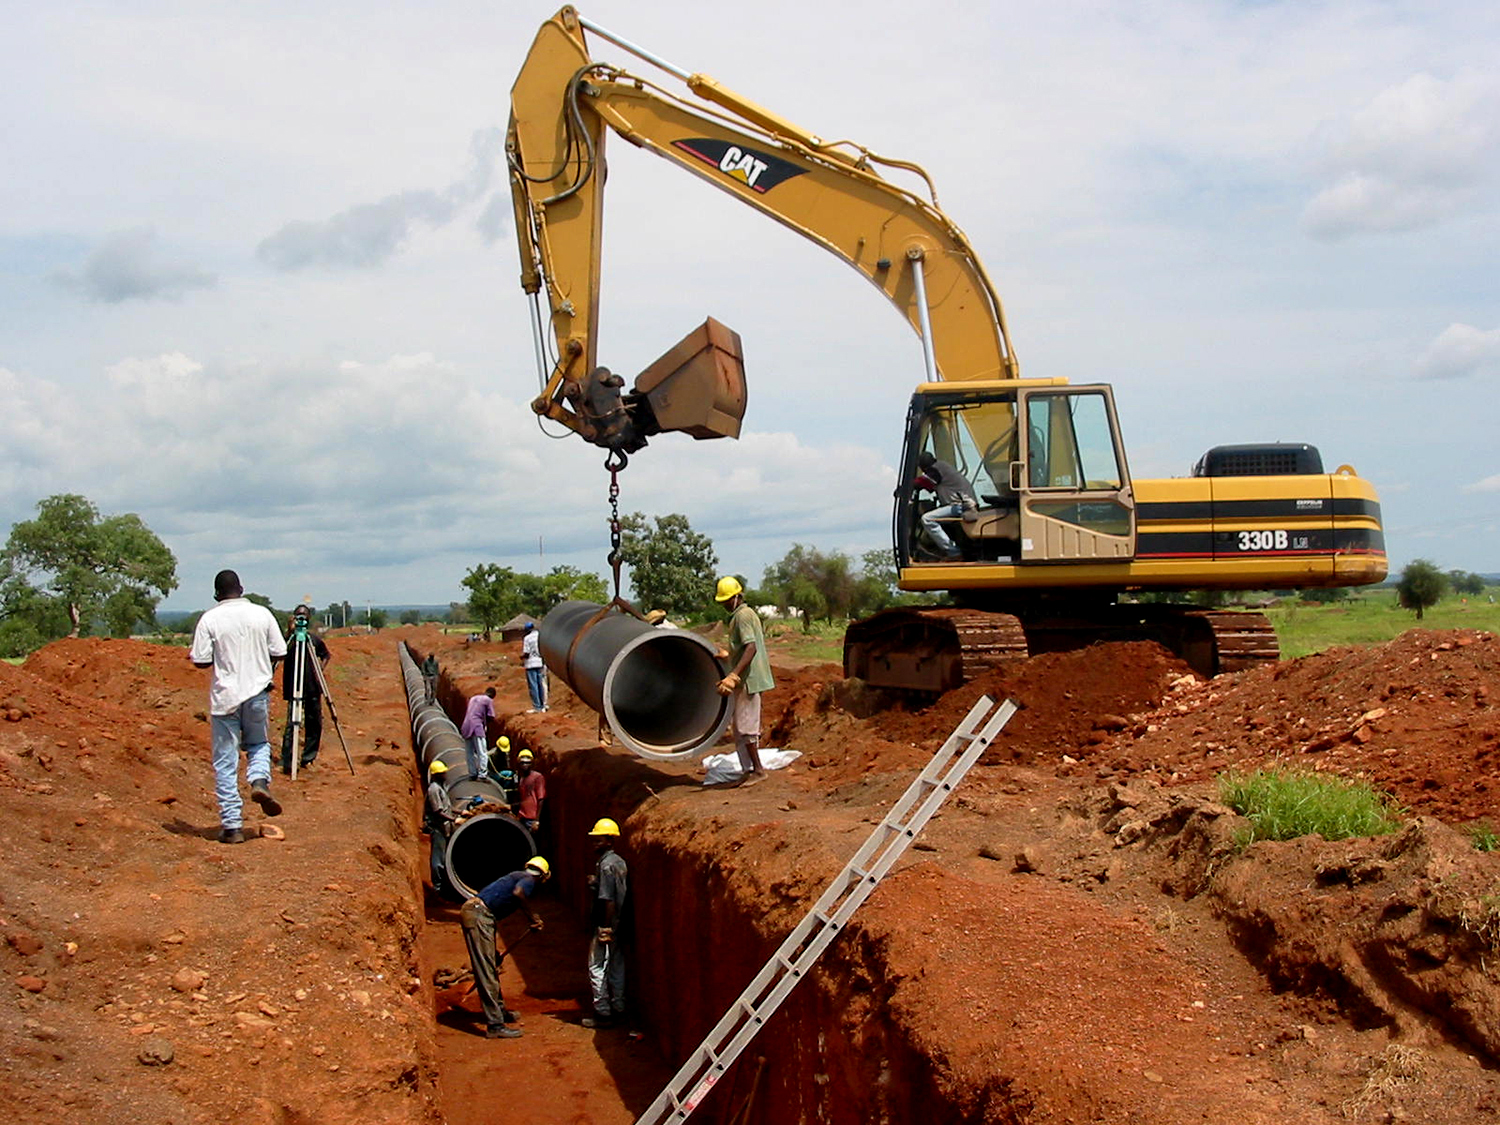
242, 643
536, 671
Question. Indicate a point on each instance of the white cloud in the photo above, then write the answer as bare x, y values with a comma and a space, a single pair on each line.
129, 266
1461, 351
1488, 484
368, 234
407, 463
1419, 153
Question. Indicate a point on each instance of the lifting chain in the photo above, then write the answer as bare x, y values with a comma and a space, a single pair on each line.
615, 462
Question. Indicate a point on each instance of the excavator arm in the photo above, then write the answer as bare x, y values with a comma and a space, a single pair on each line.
562, 106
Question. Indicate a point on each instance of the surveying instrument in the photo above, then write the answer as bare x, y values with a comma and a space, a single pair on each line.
303, 656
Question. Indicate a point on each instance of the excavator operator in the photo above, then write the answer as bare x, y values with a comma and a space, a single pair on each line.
955, 497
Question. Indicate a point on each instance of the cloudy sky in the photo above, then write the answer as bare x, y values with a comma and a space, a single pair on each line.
258, 278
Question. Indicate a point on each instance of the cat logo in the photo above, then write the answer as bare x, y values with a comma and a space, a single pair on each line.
758, 171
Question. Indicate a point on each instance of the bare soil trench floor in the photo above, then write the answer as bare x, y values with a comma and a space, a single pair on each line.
1074, 939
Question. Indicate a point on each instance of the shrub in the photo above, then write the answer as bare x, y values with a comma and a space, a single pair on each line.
1285, 804
1483, 835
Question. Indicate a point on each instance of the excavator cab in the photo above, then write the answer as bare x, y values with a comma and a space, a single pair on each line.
1046, 465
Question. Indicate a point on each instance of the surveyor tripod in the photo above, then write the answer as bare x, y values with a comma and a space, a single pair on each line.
303, 657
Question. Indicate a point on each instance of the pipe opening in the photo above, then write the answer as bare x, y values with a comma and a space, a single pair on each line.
655, 687
660, 693
484, 848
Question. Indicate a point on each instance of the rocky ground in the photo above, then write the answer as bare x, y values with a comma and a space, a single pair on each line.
1075, 938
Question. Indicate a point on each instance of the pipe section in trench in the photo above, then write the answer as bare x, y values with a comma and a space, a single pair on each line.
482, 848
656, 688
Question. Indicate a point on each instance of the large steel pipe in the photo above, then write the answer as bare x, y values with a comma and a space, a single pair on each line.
484, 847
656, 688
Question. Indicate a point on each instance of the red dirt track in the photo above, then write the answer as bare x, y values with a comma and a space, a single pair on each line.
1075, 938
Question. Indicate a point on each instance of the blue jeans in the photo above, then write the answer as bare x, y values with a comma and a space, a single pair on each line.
536, 684
607, 977
935, 530
478, 754
247, 727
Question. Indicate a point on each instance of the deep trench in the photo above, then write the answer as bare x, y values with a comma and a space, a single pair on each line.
834, 1052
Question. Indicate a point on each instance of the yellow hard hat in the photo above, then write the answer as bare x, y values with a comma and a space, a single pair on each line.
525, 756
604, 827
437, 767
728, 587
539, 866
502, 743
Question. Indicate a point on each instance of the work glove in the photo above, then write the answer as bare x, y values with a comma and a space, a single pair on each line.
536, 924
728, 684
605, 935
721, 653
533, 825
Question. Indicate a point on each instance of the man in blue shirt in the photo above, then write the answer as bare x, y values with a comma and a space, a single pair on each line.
478, 916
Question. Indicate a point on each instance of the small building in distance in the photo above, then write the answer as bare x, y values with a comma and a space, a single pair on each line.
513, 629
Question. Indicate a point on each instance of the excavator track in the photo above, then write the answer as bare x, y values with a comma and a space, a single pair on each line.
930, 651
1242, 639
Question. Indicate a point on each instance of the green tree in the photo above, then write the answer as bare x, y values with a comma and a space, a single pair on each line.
1325, 594
876, 589
494, 595
338, 614
672, 567
538, 593
1420, 587
568, 583
72, 554
1465, 582
377, 619
29, 618
818, 584
459, 613
410, 617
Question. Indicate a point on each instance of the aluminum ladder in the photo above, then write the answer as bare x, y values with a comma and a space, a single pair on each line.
848, 891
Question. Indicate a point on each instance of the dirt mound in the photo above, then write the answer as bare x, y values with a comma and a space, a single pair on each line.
1398, 932
136, 674
154, 974
1416, 717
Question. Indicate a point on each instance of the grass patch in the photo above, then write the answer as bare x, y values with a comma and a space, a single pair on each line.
1482, 919
1390, 1077
825, 642
1285, 804
1372, 617
1483, 835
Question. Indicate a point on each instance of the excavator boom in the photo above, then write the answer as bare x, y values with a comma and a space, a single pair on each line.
564, 104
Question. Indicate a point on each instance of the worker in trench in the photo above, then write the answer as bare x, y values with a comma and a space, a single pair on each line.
608, 887
439, 817
479, 916
749, 675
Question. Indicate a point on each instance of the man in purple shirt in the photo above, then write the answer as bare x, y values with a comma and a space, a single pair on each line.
476, 728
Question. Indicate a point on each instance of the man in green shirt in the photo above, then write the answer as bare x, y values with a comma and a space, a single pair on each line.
749, 674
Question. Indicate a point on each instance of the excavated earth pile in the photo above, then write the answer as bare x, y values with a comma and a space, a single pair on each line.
1077, 937
155, 975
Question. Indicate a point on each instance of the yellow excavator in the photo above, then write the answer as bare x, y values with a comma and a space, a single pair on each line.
1053, 541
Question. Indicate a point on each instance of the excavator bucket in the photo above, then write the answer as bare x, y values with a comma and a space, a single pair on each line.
698, 386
